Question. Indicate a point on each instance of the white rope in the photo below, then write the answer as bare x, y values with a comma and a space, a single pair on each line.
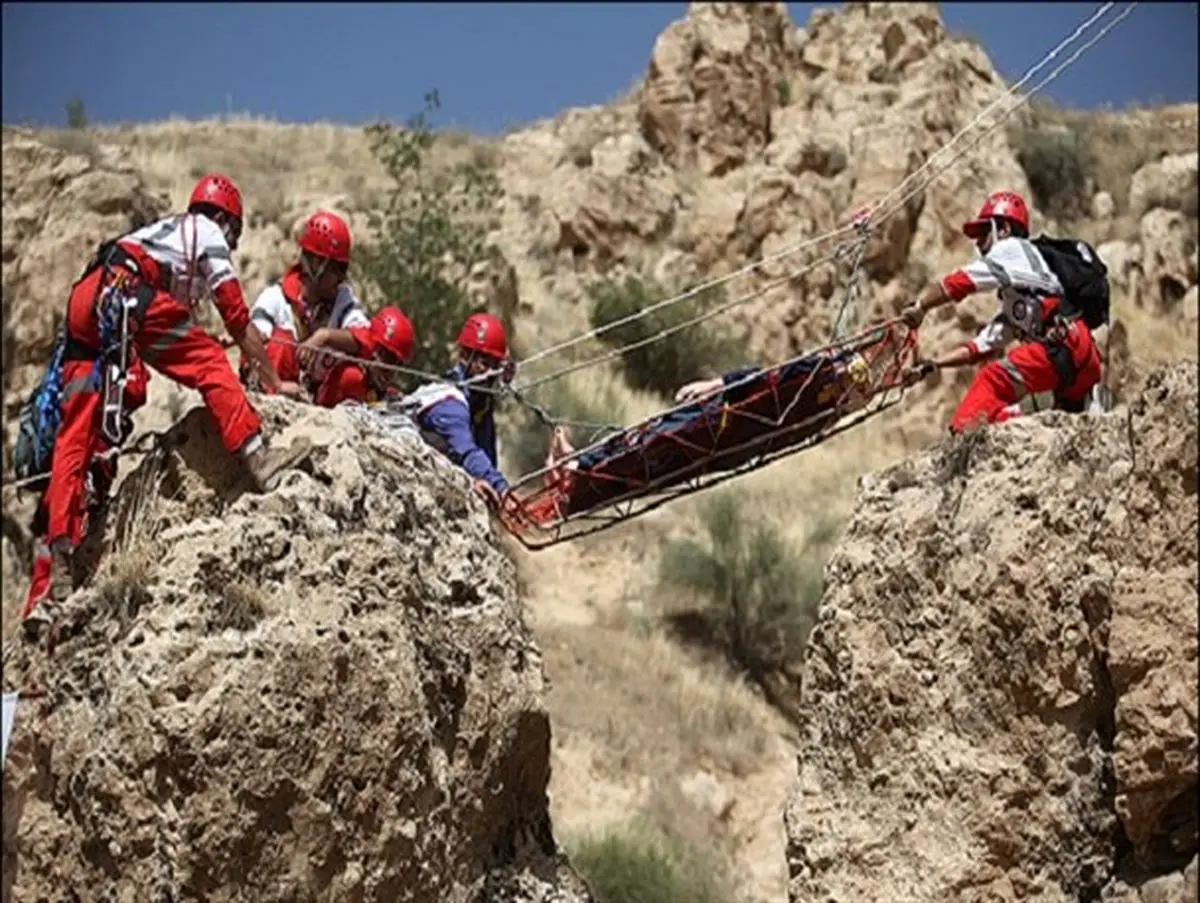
661, 334
1024, 99
690, 293
391, 368
793, 249
1074, 36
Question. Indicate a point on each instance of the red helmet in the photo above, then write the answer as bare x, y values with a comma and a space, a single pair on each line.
220, 192
484, 333
1003, 204
326, 235
393, 331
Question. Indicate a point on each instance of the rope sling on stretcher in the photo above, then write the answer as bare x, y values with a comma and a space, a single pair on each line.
543, 515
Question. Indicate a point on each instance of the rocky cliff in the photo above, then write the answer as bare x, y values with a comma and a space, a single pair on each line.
1000, 698
748, 133
324, 693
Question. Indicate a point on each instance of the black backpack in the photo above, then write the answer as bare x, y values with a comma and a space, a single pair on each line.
1083, 276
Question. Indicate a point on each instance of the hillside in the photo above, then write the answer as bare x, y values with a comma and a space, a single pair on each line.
748, 134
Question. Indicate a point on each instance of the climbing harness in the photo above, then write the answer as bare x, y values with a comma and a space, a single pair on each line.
117, 303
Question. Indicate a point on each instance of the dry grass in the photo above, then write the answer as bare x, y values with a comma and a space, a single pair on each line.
73, 141
121, 587
239, 606
278, 165
662, 711
1119, 142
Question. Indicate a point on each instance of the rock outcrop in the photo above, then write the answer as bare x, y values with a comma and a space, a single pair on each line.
323, 693
59, 203
1000, 698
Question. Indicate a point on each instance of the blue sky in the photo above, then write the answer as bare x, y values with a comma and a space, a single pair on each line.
494, 65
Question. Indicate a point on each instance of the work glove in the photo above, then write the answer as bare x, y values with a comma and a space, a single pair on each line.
918, 372
913, 315
487, 492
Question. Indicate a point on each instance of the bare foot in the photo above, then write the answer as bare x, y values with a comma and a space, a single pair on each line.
560, 448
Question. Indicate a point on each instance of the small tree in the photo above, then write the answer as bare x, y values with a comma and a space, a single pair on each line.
1058, 164
430, 231
661, 366
76, 114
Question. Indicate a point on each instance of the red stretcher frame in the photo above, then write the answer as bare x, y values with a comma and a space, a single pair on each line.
540, 516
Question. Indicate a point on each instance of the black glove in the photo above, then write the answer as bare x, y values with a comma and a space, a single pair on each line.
918, 372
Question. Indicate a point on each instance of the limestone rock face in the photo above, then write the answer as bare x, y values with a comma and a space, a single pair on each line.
326, 692
999, 698
712, 82
59, 204
1169, 182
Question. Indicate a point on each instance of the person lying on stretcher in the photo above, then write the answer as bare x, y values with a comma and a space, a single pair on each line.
841, 379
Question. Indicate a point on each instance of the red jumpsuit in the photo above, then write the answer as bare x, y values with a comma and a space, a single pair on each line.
284, 320
169, 263
76, 376
1016, 268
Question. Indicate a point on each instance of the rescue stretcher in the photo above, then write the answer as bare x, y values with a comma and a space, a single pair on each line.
739, 428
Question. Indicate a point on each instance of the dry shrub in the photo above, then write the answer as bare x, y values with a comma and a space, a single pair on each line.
1057, 161
239, 606
123, 578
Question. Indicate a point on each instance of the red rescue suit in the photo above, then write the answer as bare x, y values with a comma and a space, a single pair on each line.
77, 375
166, 337
1064, 360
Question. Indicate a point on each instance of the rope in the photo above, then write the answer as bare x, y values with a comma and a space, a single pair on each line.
852, 283
1024, 99
1074, 36
663, 333
792, 249
551, 422
393, 368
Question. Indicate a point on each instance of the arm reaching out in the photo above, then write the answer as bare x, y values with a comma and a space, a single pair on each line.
452, 421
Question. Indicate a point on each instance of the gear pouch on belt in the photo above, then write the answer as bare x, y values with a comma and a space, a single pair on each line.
1023, 313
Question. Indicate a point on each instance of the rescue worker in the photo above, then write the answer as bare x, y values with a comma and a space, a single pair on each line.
312, 307
459, 420
159, 272
392, 340
101, 473
1057, 351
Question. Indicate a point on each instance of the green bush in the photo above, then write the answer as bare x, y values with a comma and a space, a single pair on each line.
663, 366
636, 864
1058, 164
426, 220
762, 596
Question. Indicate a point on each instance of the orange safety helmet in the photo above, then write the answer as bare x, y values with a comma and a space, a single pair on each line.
484, 333
326, 235
1003, 205
392, 331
